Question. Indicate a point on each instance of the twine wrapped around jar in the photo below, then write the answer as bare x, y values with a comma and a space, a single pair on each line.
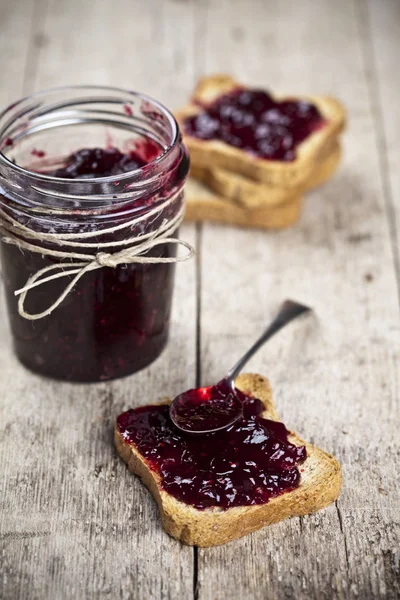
16, 233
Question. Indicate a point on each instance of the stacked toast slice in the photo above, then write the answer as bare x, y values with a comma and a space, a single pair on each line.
230, 184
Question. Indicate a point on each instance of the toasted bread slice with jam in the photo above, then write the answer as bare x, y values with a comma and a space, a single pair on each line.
272, 172
319, 486
253, 195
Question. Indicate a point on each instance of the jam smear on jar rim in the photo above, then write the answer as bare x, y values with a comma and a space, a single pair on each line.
251, 120
247, 464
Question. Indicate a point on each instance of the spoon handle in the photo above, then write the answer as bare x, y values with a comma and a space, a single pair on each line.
288, 311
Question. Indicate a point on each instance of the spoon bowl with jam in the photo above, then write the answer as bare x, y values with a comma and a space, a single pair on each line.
217, 407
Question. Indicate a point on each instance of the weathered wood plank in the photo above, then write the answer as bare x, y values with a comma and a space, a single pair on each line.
381, 35
380, 26
335, 379
15, 37
74, 522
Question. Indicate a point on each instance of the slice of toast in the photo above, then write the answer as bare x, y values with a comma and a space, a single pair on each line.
280, 207
319, 486
326, 168
250, 194
205, 205
272, 172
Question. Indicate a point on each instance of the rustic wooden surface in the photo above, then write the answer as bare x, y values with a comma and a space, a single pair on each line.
73, 522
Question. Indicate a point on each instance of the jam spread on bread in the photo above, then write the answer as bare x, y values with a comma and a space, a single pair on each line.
253, 121
116, 320
247, 464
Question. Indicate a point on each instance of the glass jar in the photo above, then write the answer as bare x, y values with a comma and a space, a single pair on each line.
115, 319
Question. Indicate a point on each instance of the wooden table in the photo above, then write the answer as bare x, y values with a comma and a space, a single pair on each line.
74, 522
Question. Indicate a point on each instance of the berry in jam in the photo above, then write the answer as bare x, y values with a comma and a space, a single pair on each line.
247, 464
206, 409
256, 123
98, 162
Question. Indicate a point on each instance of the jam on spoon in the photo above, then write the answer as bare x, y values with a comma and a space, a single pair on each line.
206, 409
210, 409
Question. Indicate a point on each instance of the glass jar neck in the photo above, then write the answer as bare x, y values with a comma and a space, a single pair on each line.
53, 125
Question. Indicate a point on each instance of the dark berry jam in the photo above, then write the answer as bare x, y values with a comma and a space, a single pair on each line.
253, 121
98, 162
207, 409
116, 320
246, 464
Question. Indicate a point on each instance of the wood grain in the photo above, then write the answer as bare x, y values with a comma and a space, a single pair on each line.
335, 379
381, 33
16, 31
73, 522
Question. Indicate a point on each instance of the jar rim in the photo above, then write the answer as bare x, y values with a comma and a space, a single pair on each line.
155, 163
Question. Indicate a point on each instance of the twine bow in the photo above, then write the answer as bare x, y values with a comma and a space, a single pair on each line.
135, 248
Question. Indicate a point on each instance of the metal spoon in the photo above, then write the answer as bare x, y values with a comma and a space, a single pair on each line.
192, 412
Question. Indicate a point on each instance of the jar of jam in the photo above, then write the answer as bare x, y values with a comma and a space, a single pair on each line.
91, 197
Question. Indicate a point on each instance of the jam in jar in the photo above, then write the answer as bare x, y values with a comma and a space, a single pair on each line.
90, 171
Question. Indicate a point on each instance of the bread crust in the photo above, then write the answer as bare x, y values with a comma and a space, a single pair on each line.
204, 205
280, 208
320, 486
275, 173
246, 193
